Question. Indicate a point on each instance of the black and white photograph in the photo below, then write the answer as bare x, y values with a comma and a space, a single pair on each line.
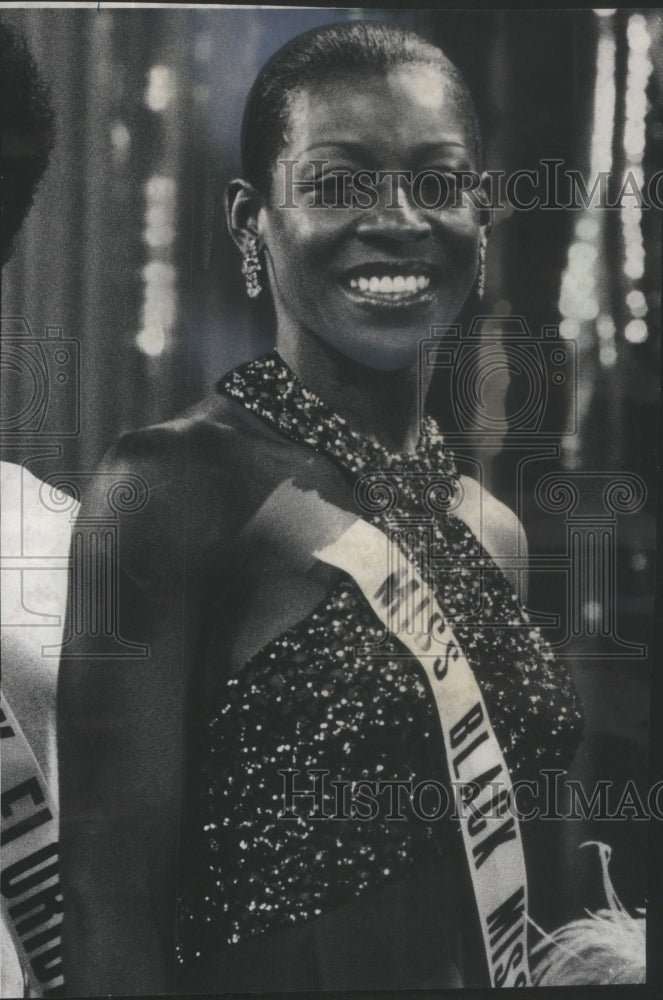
330, 361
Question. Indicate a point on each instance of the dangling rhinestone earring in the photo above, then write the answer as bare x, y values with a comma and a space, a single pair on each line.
251, 268
481, 280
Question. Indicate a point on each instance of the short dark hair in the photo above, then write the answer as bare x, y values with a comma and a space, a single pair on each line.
355, 46
28, 133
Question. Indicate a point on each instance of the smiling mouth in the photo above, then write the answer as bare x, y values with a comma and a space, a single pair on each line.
391, 285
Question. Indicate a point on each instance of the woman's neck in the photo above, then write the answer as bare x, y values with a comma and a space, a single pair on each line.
382, 405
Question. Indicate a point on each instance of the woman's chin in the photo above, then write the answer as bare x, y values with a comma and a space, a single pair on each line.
389, 339
380, 356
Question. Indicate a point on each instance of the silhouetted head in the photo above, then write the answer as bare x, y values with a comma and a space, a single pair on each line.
28, 133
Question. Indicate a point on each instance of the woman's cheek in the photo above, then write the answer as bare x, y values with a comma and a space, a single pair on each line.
327, 224
304, 220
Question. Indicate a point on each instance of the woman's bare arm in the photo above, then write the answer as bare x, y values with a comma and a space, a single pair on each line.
120, 728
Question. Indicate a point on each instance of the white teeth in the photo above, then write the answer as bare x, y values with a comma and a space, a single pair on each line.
386, 285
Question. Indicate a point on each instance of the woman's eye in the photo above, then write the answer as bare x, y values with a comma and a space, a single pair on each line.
431, 187
435, 188
333, 187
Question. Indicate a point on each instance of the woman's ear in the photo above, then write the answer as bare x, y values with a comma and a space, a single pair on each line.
242, 204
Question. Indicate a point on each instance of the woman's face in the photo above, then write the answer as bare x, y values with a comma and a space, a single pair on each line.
369, 281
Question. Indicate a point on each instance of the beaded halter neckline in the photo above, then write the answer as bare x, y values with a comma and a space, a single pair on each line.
271, 390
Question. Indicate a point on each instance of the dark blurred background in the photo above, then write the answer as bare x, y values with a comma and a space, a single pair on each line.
125, 265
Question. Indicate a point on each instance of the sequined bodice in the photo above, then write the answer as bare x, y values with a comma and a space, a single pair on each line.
336, 701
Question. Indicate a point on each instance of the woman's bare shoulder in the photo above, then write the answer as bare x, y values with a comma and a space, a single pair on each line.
175, 485
202, 474
206, 431
215, 435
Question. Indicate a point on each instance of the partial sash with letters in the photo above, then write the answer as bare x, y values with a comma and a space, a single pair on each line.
29, 879
491, 836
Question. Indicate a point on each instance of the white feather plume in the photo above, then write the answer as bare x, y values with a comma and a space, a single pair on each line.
597, 950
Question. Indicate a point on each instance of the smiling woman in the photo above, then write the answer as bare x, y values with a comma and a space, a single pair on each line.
381, 102
328, 605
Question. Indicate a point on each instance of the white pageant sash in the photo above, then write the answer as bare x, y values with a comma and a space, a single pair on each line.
491, 834
29, 878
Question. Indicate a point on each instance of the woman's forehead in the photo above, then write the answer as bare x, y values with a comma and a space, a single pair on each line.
409, 104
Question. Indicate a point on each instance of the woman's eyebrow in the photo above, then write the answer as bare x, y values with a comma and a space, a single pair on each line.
427, 147
355, 146
345, 145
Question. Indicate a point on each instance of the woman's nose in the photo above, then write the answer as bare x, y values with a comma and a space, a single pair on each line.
394, 218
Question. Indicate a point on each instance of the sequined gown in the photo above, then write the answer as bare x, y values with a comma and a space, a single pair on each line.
311, 701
